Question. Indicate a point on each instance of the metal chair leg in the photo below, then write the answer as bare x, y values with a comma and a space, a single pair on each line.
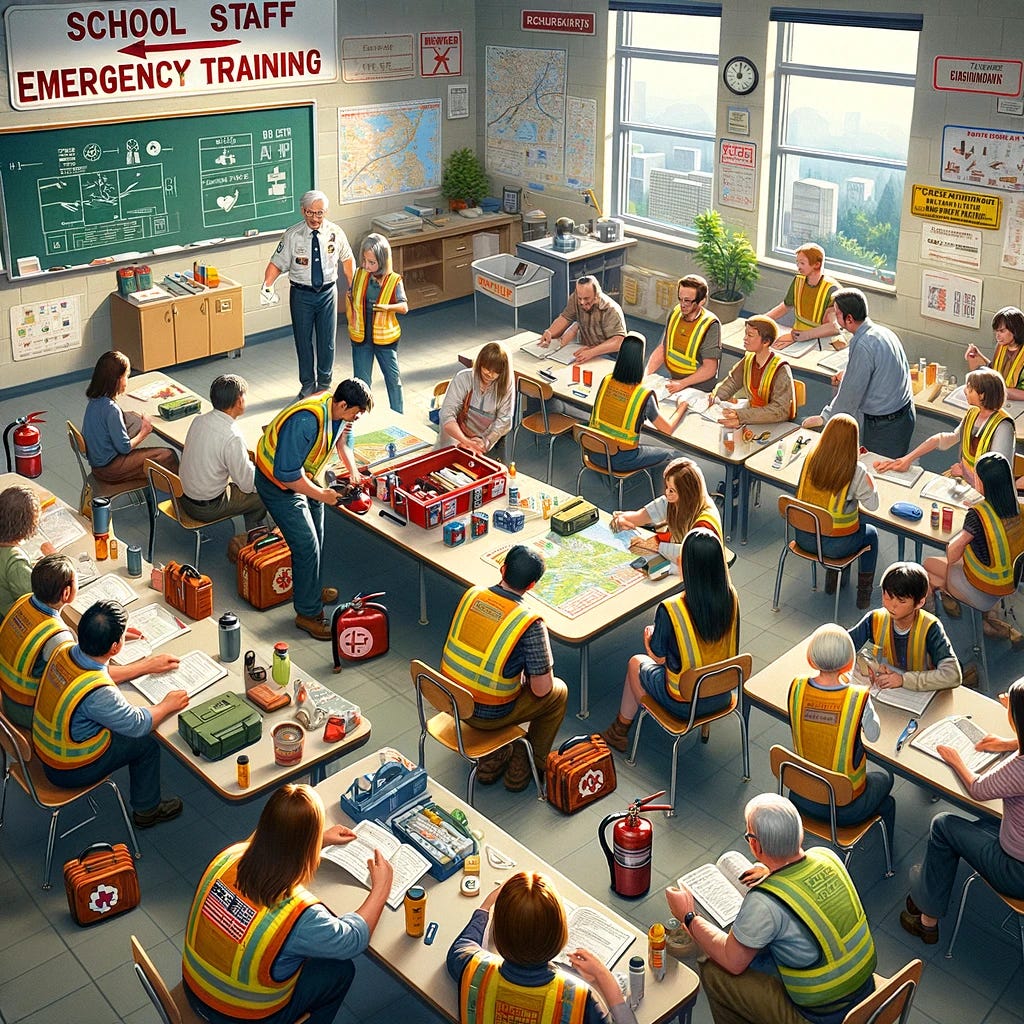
778, 578
886, 847
533, 768
51, 839
640, 716
151, 504
671, 812
127, 819
960, 914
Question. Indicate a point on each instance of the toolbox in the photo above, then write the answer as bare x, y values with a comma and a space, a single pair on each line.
429, 507
179, 408
220, 726
264, 571
573, 516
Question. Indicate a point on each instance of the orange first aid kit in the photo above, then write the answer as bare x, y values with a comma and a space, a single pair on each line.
100, 883
264, 572
579, 772
188, 590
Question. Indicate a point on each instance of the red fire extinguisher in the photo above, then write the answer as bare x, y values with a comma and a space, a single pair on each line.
28, 451
633, 840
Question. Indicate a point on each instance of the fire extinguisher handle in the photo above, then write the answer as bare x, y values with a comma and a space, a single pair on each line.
601, 829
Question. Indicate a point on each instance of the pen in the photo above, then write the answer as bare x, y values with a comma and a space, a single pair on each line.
908, 731
388, 515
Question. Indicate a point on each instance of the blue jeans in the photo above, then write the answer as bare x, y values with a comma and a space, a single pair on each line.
314, 313
387, 359
301, 521
875, 799
141, 754
652, 679
320, 991
838, 547
645, 456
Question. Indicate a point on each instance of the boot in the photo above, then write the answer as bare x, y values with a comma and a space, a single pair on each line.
950, 605
992, 625
865, 584
617, 734
831, 580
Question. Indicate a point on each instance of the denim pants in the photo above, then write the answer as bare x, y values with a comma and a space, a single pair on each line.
837, 547
314, 313
141, 754
876, 799
301, 521
363, 355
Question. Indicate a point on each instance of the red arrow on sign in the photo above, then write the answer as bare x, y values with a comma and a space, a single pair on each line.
142, 48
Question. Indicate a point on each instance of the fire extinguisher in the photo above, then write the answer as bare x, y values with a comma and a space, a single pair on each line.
633, 840
28, 451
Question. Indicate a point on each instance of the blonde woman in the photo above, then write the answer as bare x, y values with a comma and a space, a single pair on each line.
19, 519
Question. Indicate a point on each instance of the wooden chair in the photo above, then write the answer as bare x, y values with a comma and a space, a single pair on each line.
171, 1004
162, 479
137, 487
596, 446
454, 703
541, 424
801, 515
1016, 907
726, 676
823, 786
27, 771
891, 1001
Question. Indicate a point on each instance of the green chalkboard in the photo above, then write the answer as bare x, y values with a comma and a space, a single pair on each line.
81, 194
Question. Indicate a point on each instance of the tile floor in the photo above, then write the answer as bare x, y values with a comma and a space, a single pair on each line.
51, 972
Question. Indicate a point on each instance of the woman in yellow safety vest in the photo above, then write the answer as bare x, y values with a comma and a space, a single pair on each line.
834, 480
978, 567
1008, 358
984, 428
258, 945
376, 297
520, 983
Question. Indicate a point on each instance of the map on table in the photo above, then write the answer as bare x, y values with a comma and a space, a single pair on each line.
582, 570
373, 447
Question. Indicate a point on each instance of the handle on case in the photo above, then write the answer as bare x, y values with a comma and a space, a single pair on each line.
266, 542
387, 773
572, 741
96, 848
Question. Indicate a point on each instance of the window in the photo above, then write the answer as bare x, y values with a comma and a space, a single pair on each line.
666, 95
844, 99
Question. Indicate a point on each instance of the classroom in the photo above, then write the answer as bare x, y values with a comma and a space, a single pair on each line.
890, 132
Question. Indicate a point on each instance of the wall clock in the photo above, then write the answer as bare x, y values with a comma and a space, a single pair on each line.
740, 75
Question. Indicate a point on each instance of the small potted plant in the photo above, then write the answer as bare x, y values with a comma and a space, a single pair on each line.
729, 262
463, 181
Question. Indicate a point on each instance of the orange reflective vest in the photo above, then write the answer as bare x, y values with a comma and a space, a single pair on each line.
23, 635
1005, 540
826, 727
231, 943
917, 650
485, 997
810, 302
843, 522
760, 396
618, 410
984, 440
683, 340
484, 632
1009, 365
385, 323
693, 651
320, 407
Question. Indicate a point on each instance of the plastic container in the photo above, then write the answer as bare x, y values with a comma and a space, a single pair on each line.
656, 950
288, 739
281, 666
415, 911
242, 770
229, 637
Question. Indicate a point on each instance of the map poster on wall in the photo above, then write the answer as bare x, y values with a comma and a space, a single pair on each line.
387, 149
43, 328
524, 94
1013, 242
951, 298
983, 157
580, 142
949, 243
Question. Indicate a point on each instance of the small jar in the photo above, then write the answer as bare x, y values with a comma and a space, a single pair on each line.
242, 768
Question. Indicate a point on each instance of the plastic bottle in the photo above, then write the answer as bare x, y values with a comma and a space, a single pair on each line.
281, 667
656, 950
102, 546
636, 981
935, 515
242, 769
546, 503
415, 911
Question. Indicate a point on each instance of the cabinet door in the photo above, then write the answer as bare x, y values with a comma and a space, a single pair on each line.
156, 337
225, 319
191, 327
458, 277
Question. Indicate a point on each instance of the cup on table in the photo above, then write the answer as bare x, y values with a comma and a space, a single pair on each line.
588, 378
947, 518
100, 516
576, 373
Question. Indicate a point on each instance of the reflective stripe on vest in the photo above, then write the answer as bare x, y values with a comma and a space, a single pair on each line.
683, 340
709, 519
882, 633
1009, 367
231, 944
761, 396
618, 410
843, 523
810, 302
485, 630
1005, 540
385, 324
693, 651
821, 894
320, 407
984, 441
23, 635
826, 726
485, 997
63, 687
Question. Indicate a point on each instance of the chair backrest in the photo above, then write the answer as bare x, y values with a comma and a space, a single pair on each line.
153, 984
891, 1000
802, 515
17, 747
442, 693
593, 442
530, 387
162, 479
809, 780
441, 387
716, 678
1018, 465
77, 442
800, 392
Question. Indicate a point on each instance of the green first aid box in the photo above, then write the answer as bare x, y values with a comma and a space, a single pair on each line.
220, 726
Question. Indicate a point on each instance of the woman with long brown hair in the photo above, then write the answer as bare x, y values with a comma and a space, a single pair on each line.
479, 403
1008, 358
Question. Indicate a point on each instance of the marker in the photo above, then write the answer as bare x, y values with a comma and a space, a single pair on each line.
428, 939
385, 514
580, 394
909, 730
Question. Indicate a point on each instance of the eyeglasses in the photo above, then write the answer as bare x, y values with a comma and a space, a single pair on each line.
749, 835
256, 673
319, 214
688, 302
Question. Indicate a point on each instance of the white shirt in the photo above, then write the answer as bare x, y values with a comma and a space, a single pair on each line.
214, 454
293, 254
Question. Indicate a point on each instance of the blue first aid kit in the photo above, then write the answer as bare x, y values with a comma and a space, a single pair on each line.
906, 510
379, 795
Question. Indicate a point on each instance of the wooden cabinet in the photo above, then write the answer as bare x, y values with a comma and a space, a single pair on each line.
177, 330
436, 265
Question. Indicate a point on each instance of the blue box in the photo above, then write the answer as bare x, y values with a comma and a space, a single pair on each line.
479, 524
510, 520
454, 533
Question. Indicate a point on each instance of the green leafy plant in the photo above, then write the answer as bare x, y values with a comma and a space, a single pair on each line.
463, 177
726, 256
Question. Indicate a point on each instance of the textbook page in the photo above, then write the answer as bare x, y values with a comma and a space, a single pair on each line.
195, 672
696, 400
906, 478
109, 587
555, 352
796, 349
949, 492
914, 701
157, 624
715, 411
409, 864
960, 733
717, 887
590, 929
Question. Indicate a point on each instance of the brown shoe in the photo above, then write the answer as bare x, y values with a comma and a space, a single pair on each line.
317, 627
329, 595
912, 923
950, 605
1016, 638
617, 734
166, 810
490, 769
970, 677
518, 775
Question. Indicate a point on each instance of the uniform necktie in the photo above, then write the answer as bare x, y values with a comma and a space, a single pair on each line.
316, 271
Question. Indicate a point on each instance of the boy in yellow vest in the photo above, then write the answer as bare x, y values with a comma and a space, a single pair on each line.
762, 376
809, 297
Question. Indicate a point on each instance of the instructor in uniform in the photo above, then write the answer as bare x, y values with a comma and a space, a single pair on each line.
310, 253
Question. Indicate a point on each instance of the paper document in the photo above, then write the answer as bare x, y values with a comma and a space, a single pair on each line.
697, 400
717, 887
594, 930
715, 411
157, 624
196, 671
163, 389
109, 587
836, 361
408, 863
958, 398
905, 479
870, 660
960, 733
554, 351
945, 489
60, 526
801, 348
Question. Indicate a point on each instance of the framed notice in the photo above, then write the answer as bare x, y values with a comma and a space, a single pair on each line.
45, 328
950, 243
458, 102
737, 163
951, 298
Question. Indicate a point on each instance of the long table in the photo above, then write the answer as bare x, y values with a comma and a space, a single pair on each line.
769, 690
422, 967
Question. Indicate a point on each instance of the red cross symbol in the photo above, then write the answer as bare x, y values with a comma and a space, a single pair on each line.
355, 642
441, 60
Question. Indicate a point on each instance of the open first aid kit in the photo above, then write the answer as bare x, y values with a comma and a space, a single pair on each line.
220, 726
432, 830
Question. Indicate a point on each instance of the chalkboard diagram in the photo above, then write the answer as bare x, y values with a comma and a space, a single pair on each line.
100, 192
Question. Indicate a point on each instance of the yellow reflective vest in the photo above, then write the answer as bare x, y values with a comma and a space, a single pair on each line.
683, 340
917, 639
984, 442
1010, 366
1005, 540
485, 997
231, 943
843, 522
618, 410
320, 407
761, 395
385, 323
693, 651
23, 635
810, 303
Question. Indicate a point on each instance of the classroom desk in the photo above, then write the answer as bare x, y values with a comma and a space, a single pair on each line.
952, 414
422, 967
760, 465
769, 690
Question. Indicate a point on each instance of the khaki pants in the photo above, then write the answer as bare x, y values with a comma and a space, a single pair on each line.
544, 714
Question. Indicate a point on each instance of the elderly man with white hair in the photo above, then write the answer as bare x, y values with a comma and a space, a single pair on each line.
311, 253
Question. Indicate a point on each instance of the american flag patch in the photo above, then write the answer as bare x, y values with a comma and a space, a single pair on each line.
228, 911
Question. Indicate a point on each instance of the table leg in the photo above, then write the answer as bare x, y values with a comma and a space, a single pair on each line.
745, 481
317, 774
901, 546
730, 508
918, 551
424, 621
584, 711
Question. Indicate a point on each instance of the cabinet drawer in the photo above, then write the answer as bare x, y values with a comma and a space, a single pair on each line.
462, 245
458, 276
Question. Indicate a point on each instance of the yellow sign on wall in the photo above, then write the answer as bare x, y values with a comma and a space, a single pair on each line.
955, 206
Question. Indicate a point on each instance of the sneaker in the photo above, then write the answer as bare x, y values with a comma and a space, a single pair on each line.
490, 769
911, 923
329, 595
317, 627
518, 775
166, 810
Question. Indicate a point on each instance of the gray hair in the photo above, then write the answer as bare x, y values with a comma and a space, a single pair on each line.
381, 249
314, 195
830, 648
777, 825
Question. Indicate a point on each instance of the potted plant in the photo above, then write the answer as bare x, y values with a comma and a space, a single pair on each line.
463, 181
729, 262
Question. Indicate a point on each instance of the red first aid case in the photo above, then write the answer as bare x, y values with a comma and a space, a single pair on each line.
264, 572
359, 630
579, 772
100, 883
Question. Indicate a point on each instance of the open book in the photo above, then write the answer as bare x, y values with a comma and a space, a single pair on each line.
960, 733
869, 660
195, 672
796, 349
950, 491
60, 526
907, 478
108, 587
554, 351
157, 624
836, 361
590, 928
409, 864
717, 887
697, 400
